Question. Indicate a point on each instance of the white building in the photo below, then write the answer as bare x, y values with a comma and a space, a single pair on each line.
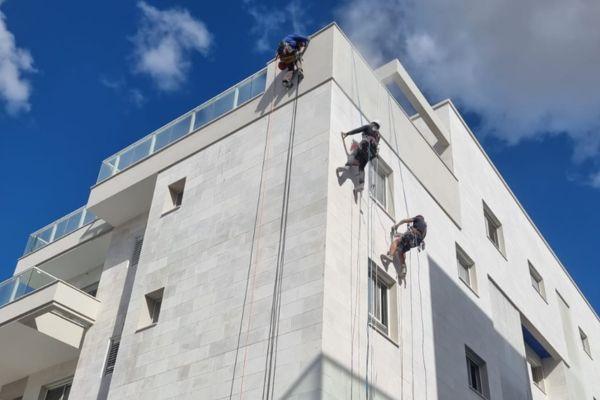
218, 258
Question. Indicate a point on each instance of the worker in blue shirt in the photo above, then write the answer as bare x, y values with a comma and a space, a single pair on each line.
289, 53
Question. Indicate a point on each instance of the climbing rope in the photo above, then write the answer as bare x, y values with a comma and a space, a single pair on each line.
271, 359
393, 125
253, 257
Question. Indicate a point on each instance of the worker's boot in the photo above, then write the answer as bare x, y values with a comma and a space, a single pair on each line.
386, 260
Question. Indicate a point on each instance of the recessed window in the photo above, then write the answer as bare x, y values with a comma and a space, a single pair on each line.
58, 391
380, 184
585, 342
477, 373
536, 281
466, 268
493, 228
111, 357
151, 312
92, 289
174, 198
382, 301
536, 369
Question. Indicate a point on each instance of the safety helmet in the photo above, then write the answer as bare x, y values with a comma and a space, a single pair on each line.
376, 122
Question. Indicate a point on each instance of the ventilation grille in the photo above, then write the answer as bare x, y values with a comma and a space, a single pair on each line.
111, 358
137, 250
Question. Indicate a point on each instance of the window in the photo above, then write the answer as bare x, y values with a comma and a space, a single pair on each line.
380, 184
585, 342
111, 357
466, 268
477, 373
382, 301
175, 196
536, 369
58, 391
493, 228
536, 281
150, 314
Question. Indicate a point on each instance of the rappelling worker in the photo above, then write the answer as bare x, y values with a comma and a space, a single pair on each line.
364, 152
289, 54
403, 242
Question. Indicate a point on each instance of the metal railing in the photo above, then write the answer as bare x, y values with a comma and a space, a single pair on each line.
229, 100
24, 283
58, 229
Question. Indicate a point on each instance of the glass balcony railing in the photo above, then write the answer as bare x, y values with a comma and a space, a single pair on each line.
58, 229
22, 284
184, 125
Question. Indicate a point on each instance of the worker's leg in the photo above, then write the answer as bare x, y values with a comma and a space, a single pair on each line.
289, 74
299, 70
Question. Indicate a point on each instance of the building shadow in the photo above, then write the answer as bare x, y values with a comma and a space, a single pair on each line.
459, 322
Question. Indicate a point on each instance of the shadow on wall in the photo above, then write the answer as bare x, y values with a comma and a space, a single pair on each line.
458, 321
311, 378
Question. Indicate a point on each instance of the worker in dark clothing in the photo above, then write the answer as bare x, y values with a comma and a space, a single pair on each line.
364, 152
289, 53
403, 242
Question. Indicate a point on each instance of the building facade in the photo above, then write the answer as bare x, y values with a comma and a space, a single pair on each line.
220, 258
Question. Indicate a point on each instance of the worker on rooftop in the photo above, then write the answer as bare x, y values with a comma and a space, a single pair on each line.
403, 242
361, 153
289, 53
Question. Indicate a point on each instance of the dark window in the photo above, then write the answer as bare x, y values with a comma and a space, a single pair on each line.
477, 373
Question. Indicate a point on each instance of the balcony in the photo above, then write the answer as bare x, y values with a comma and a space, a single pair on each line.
184, 125
59, 228
42, 323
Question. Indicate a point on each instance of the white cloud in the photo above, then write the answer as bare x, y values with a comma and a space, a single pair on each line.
14, 62
165, 42
529, 69
269, 21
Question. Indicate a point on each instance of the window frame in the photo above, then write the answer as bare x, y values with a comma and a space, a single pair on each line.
585, 342
151, 309
537, 281
383, 170
63, 383
386, 322
472, 359
491, 220
471, 271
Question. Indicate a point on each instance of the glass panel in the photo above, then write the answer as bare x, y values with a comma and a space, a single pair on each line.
245, 92
106, 170
259, 83
172, 133
463, 271
89, 217
203, 116
224, 104
18, 286
68, 225
134, 154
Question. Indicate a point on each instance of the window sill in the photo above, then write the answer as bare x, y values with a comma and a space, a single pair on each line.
377, 329
169, 211
146, 327
541, 295
498, 248
477, 393
469, 286
382, 207
539, 388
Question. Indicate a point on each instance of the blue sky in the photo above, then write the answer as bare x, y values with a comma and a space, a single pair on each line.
79, 83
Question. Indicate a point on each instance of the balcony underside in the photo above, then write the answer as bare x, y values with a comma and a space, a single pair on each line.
42, 329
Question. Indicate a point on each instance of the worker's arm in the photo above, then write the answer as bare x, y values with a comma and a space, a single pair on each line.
403, 221
360, 129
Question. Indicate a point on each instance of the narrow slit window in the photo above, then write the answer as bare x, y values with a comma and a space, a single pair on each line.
585, 343
381, 184
174, 198
151, 312
493, 229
